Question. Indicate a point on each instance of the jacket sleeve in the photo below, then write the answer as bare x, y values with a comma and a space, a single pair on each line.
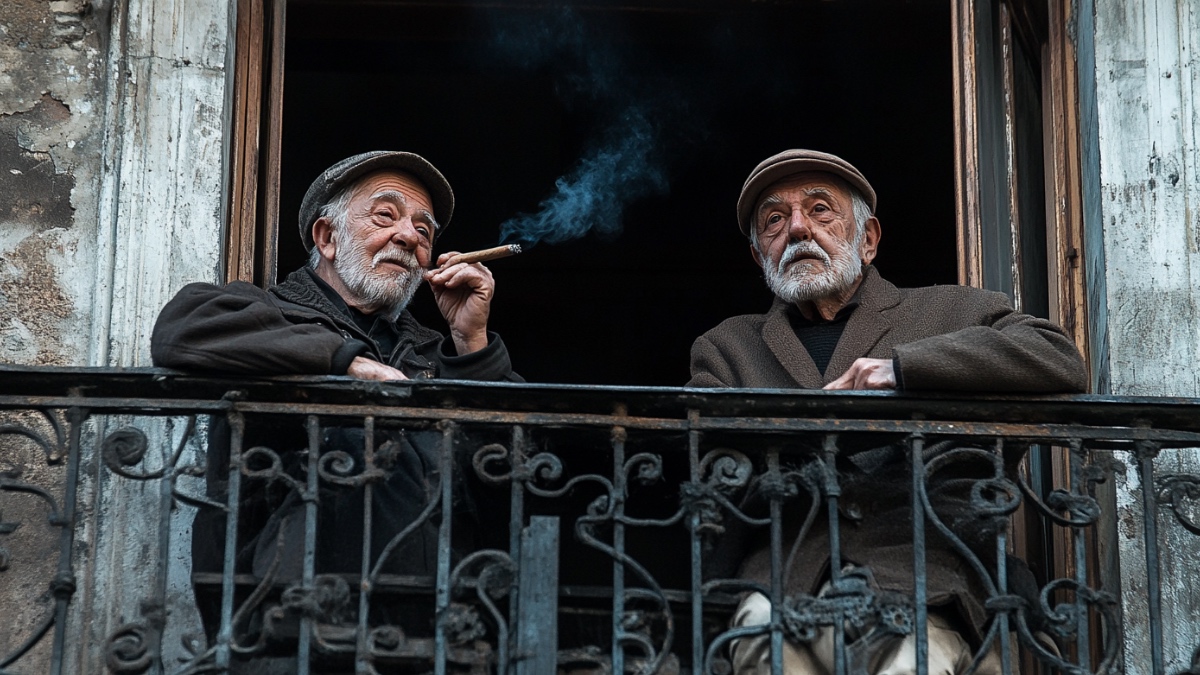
490, 364
709, 366
1008, 352
238, 329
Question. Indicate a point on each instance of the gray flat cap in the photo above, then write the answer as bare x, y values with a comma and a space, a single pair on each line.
789, 162
336, 177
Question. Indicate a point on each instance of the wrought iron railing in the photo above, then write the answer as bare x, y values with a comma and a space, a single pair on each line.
456, 527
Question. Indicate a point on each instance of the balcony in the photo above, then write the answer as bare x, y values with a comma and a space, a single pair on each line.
155, 522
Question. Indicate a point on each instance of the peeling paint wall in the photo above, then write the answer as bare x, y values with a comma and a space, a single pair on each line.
1146, 79
51, 84
113, 139
51, 131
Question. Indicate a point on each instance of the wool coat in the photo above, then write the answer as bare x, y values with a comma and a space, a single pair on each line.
948, 338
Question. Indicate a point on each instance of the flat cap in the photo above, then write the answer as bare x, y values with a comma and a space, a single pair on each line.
789, 162
338, 176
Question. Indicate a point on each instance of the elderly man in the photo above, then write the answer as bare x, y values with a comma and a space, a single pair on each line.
836, 324
369, 225
369, 222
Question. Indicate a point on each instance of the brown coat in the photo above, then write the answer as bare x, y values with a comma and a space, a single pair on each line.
951, 338
942, 338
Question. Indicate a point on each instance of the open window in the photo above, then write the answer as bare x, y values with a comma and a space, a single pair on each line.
962, 113
722, 84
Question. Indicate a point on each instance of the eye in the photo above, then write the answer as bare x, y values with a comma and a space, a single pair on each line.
423, 231
820, 208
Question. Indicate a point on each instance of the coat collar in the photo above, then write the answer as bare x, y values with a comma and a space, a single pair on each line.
867, 325
300, 288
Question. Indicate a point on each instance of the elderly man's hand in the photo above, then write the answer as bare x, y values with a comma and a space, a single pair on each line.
366, 369
867, 374
464, 295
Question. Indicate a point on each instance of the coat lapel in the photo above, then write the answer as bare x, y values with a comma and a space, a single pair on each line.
867, 325
787, 348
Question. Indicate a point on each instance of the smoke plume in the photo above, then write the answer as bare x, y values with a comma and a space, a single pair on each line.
622, 161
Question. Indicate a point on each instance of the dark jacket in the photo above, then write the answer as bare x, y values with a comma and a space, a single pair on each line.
940, 338
294, 329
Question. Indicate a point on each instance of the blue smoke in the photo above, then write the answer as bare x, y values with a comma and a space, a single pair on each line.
622, 162
592, 197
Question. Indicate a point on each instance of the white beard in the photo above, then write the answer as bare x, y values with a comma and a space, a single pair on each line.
813, 279
389, 292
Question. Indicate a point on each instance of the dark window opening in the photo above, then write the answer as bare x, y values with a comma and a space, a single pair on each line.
868, 80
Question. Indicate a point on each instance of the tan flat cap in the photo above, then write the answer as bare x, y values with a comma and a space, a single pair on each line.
789, 162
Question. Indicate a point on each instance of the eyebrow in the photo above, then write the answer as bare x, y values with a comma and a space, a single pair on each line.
769, 200
398, 197
819, 192
391, 196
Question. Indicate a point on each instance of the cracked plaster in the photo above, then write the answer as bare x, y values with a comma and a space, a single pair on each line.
50, 160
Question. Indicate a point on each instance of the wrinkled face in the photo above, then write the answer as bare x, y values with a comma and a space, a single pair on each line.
806, 238
387, 240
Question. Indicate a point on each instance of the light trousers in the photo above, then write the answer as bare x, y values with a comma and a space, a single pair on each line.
949, 653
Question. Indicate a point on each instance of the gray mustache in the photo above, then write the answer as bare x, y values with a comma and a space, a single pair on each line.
404, 258
796, 249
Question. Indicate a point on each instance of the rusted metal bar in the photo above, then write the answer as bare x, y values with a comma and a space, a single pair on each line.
1049, 433
237, 429
1146, 452
446, 499
307, 623
1080, 553
63, 585
696, 578
620, 491
916, 445
362, 654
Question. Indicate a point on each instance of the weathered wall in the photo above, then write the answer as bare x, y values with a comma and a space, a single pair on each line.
112, 147
1146, 78
51, 133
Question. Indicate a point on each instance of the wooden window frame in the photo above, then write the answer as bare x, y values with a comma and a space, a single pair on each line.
251, 251
1061, 158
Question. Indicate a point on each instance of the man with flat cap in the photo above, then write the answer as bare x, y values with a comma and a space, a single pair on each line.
837, 324
369, 223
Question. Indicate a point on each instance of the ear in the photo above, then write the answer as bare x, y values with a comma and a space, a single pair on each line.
870, 241
322, 232
756, 255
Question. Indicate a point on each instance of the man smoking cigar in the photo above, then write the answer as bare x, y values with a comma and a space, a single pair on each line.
369, 222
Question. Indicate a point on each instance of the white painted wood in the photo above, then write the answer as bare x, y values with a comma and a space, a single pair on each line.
1146, 78
160, 226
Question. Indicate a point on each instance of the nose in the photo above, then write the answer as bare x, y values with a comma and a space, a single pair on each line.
405, 235
798, 227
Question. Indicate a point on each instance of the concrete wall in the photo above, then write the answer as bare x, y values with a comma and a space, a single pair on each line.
1146, 80
113, 118
51, 137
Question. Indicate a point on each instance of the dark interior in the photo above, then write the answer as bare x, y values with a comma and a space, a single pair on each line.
505, 97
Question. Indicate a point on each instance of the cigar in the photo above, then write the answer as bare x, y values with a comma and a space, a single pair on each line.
481, 256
